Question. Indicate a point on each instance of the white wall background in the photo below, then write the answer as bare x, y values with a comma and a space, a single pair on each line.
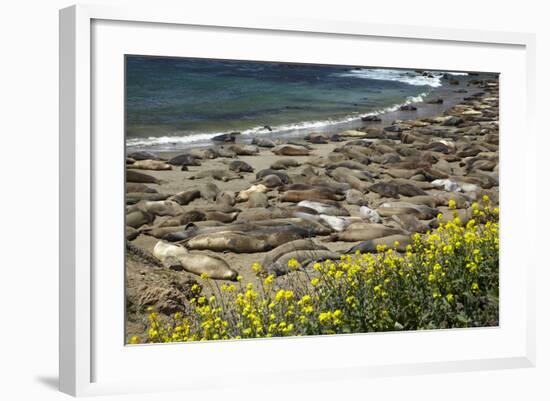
29, 196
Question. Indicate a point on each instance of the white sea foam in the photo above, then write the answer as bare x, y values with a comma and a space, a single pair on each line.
198, 138
408, 77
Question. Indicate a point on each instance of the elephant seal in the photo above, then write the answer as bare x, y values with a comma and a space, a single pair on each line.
232, 241
366, 231
137, 177
283, 164
385, 189
244, 150
131, 233
343, 175
290, 150
225, 137
265, 172
368, 214
257, 199
183, 219
137, 218
422, 212
209, 191
245, 194
353, 134
296, 196
225, 198
175, 256
297, 245
323, 208
139, 187
388, 241
239, 166
263, 142
135, 197
410, 223
217, 174
143, 155
303, 257
156, 165
186, 197
272, 181
221, 217
184, 160
355, 197
159, 208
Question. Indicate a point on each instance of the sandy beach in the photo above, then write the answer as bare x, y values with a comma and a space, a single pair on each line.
392, 176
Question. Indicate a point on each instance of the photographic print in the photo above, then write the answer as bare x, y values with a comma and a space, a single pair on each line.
271, 199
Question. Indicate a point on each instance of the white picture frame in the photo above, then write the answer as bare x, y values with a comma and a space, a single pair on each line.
81, 347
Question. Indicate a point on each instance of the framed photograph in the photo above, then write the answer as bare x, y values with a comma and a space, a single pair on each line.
290, 200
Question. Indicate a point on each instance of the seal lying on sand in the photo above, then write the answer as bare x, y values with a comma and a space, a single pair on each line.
365, 232
174, 256
135, 176
290, 150
150, 165
184, 160
237, 242
245, 194
303, 257
186, 197
138, 187
389, 242
239, 166
298, 245
283, 164
315, 193
218, 174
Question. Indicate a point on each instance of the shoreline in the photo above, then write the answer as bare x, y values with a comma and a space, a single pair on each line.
465, 153
448, 93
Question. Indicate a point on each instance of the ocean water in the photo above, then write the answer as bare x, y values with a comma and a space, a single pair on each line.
184, 102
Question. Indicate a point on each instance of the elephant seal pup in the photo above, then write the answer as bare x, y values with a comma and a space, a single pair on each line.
244, 150
245, 194
150, 165
138, 187
239, 166
297, 245
184, 160
174, 256
397, 242
257, 199
209, 191
408, 189
343, 175
368, 214
186, 197
353, 134
323, 208
290, 150
366, 231
232, 241
225, 198
283, 164
137, 177
303, 257
137, 218
217, 174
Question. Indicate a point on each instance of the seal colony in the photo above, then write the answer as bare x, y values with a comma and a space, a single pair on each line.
215, 211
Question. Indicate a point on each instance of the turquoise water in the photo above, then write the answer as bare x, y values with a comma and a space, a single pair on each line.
171, 100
